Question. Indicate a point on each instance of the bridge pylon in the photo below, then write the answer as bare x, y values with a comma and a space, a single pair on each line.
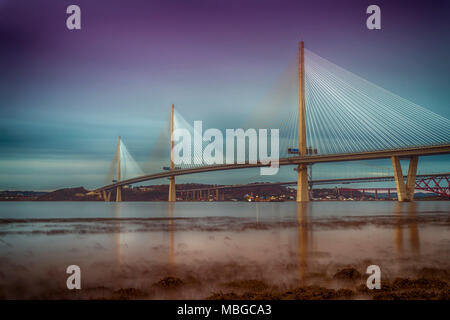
172, 191
118, 189
405, 191
302, 169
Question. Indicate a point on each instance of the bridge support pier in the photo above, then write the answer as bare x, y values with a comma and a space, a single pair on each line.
119, 194
106, 196
411, 179
405, 191
172, 192
302, 183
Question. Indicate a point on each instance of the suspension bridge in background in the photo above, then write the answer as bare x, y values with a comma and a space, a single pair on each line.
337, 116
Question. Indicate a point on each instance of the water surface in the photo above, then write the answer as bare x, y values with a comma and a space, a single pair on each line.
208, 245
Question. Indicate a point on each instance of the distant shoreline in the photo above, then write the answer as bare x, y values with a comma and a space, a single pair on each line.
251, 193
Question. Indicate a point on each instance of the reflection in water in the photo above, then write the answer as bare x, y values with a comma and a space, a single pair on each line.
410, 208
171, 235
302, 220
413, 230
257, 213
398, 230
117, 233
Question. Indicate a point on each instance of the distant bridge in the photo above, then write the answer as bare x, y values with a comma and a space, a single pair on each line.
419, 178
425, 182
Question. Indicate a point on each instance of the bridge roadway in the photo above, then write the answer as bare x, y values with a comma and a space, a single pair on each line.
295, 160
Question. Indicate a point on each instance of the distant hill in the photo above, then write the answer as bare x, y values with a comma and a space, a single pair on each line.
68, 194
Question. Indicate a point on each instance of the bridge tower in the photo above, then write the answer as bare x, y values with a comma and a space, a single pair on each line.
118, 190
172, 192
302, 169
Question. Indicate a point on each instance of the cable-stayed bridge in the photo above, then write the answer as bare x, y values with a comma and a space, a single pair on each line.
333, 116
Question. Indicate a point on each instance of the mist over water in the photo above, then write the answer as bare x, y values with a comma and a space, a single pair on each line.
210, 245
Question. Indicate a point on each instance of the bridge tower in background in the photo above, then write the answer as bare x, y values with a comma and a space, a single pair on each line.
118, 190
302, 169
172, 192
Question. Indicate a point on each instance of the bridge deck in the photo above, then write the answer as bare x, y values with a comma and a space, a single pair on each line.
381, 154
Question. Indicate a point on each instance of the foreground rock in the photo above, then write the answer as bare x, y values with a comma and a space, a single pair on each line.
350, 274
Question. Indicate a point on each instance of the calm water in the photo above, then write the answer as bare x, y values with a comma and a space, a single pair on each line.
136, 244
